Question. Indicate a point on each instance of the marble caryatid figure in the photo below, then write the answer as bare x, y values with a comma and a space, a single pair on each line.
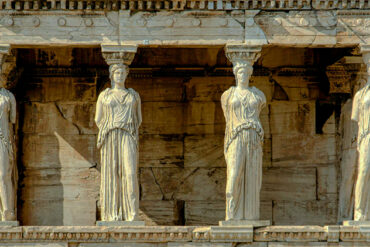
118, 117
8, 167
361, 115
348, 164
242, 105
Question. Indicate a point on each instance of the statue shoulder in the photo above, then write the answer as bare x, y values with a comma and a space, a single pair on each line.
103, 94
260, 96
105, 91
227, 93
9, 94
134, 93
258, 91
359, 95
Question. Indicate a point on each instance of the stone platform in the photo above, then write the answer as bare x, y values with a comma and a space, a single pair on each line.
254, 223
356, 223
103, 236
120, 223
9, 223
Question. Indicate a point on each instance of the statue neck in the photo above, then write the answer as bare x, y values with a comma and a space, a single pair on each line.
243, 86
117, 87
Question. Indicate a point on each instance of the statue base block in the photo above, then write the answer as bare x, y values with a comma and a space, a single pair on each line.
9, 223
356, 223
254, 223
121, 223
228, 233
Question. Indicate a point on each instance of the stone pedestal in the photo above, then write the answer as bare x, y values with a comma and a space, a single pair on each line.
254, 223
120, 223
9, 223
228, 233
356, 223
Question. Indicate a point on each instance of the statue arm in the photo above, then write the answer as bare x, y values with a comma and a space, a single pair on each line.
224, 98
356, 106
139, 116
99, 110
263, 100
13, 109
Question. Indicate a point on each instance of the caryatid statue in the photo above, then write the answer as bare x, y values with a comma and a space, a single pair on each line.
242, 105
118, 117
8, 167
361, 115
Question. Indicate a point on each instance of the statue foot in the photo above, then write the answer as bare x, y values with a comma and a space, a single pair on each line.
9, 215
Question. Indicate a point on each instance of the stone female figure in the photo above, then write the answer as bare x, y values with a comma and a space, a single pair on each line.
8, 168
361, 115
243, 145
118, 117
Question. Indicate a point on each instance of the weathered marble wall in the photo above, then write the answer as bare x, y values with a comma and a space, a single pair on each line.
182, 168
59, 184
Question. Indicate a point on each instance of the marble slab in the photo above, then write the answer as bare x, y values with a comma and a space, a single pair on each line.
120, 223
9, 223
254, 223
356, 223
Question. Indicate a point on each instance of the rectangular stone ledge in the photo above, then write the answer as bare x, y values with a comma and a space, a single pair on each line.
107, 233
351, 235
354, 233
186, 28
231, 234
9, 233
243, 223
356, 223
9, 223
290, 234
120, 223
33, 244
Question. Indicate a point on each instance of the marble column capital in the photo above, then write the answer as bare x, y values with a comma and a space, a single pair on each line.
7, 66
243, 53
118, 54
5, 50
365, 51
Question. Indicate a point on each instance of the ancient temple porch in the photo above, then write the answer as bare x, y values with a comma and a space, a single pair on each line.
54, 60
182, 168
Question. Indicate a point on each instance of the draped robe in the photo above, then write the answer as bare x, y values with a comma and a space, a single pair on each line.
8, 168
361, 115
243, 152
118, 143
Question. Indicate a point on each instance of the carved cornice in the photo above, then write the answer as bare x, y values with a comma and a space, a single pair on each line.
144, 5
353, 235
115, 54
340, 4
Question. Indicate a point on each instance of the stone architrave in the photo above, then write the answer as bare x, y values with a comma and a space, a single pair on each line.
118, 117
242, 105
8, 166
361, 115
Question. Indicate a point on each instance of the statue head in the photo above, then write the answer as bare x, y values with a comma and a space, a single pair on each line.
243, 71
118, 74
365, 50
